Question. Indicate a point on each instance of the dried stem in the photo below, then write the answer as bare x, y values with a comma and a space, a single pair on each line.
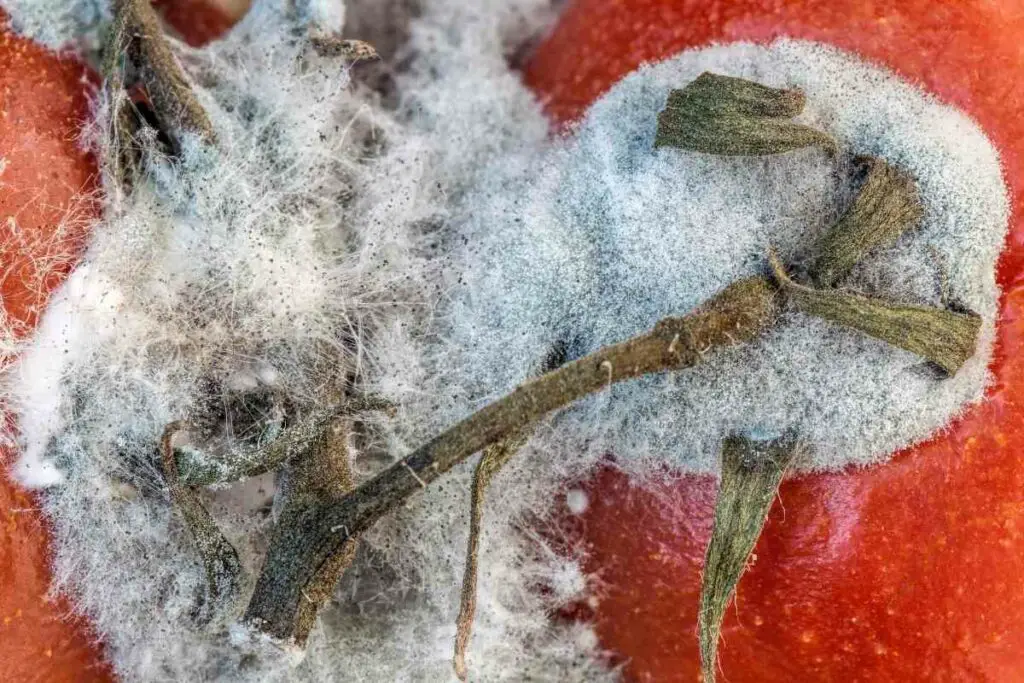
713, 114
219, 557
138, 34
738, 314
493, 459
751, 474
319, 479
943, 337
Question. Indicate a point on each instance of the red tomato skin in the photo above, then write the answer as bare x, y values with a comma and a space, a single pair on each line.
200, 21
908, 571
46, 179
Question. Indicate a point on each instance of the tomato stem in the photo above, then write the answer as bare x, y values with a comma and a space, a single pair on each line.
136, 37
738, 314
219, 557
493, 459
318, 479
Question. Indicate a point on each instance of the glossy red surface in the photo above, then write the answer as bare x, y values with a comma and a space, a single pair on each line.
200, 21
909, 571
42, 104
43, 101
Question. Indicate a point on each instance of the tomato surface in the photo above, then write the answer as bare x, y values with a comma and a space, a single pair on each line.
908, 571
200, 21
47, 188
44, 204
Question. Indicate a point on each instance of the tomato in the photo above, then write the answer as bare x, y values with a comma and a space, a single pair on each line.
43, 101
908, 571
200, 21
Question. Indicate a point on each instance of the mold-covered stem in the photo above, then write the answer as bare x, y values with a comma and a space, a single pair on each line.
319, 479
220, 560
137, 31
713, 114
492, 460
738, 314
120, 158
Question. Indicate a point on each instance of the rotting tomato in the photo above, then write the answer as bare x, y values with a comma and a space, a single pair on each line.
908, 571
45, 188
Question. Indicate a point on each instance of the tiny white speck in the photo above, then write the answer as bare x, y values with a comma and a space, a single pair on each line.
586, 640
577, 501
242, 381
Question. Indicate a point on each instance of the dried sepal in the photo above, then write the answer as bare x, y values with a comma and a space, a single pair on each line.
219, 558
886, 206
332, 45
751, 473
492, 460
732, 116
944, 337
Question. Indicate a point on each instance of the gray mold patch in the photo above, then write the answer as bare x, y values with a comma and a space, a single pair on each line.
594, 242
442, 249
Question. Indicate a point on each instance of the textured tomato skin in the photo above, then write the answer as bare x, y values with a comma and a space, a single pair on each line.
200, 21
908, 571
43, 100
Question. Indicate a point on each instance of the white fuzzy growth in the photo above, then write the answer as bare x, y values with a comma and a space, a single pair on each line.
440, 250
327, 15
595, 242
58, 24
577, 501
306, 246
80, 315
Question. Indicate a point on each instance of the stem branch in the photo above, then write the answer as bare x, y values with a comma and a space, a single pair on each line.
738, 314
